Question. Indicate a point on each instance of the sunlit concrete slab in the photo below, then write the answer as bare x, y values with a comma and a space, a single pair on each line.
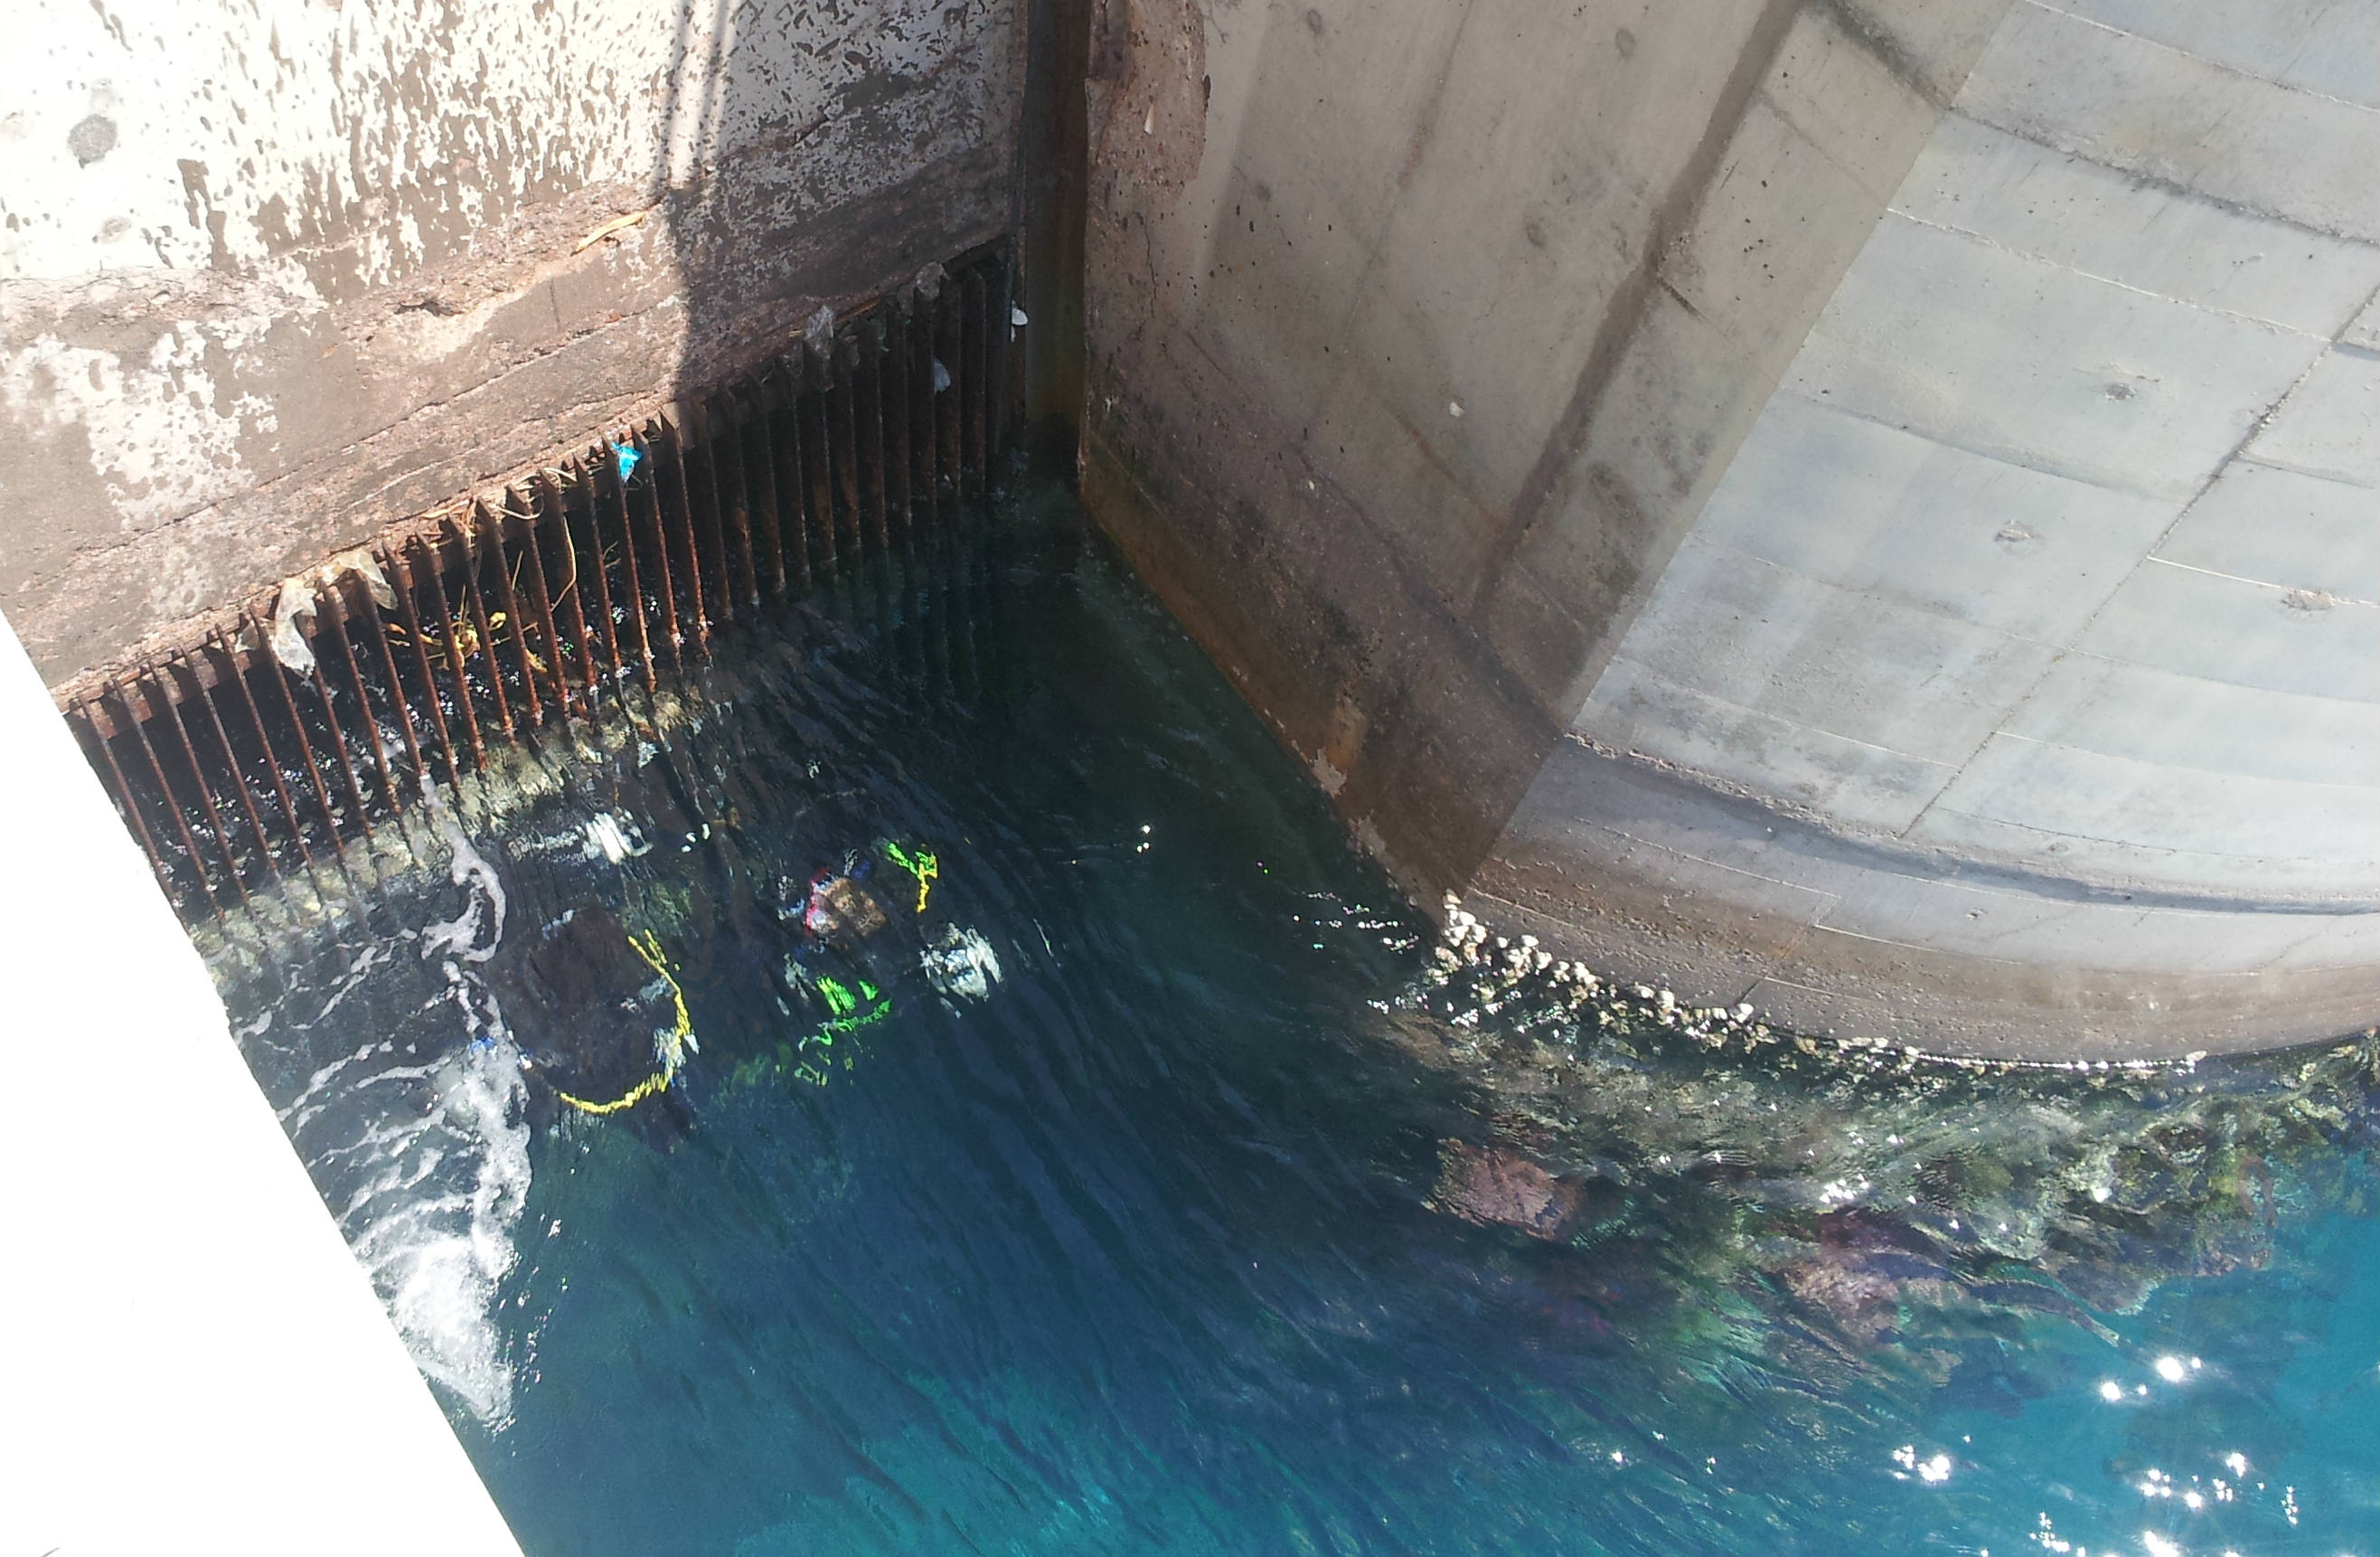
2330, 47
2282, 528
1853, 663
2009, 354
2166, 114
1889, 512
196, 1363
2242, 632
2110, 818
1635, 709
2065, 209
2330, 424
2168, 719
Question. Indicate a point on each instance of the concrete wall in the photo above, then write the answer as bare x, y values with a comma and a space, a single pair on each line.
2034, 615
1419, 331
274, 274
1862, 507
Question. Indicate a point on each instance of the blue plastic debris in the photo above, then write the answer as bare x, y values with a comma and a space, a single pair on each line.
628, 456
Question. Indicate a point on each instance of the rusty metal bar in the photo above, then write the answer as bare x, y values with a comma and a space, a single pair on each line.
434, 569
272, 758
819, 456
950, 457
516, 624
667, 589
238, 785
895, 388
610, 633
394, 565
780, 394
305, 747
971, 354
760, 476
173, 807
619, 495
675, 445
332, 616
199, 780
846, 440
480, 625
722, 459
543, 595
868, 375
378, 632
710, 505
553, 509
998, 371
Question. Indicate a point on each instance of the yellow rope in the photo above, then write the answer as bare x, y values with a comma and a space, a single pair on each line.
648, 948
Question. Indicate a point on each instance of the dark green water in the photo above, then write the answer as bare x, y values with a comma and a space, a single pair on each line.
1198, 1230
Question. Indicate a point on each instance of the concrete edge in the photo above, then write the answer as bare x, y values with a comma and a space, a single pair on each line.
1649, 877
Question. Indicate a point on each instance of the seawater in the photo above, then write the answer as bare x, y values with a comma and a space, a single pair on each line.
1217, 1203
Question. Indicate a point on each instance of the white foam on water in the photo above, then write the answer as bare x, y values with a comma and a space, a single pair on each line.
424, 1155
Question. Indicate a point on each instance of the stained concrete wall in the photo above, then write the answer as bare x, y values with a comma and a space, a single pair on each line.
274, 274
1864, 508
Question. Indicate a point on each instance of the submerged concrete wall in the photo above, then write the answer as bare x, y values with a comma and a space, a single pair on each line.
272, 275
1859, 506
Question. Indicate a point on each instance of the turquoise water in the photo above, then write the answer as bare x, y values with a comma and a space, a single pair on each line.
1222, 1214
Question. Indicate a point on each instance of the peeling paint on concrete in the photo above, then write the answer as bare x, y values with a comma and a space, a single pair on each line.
321, 258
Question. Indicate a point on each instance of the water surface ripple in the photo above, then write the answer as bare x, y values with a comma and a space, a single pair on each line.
1224, 1211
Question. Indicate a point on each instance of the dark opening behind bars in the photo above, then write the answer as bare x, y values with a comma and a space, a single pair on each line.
229, 769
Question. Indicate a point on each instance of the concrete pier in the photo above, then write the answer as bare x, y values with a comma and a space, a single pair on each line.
196, 1363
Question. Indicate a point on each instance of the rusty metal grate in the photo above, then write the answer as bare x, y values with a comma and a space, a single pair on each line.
552, 605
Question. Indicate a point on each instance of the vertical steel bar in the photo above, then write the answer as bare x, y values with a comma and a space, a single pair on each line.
666, 589
998, 375
480, 625
574, 592
585, 479
672, 441
923, 417
231, 761
619, 494
516, 624
401, 574
543, 594
173, 807
758, 450
272, 758
160, 679
971, 376
819, 454
434, 568
378, 631
948, 457
782, 389
868, 339
845, 441
723, 451
305, 747
896, 390
333, 618
703, 484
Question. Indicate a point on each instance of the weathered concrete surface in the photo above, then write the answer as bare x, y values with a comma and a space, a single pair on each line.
1861, 507
1419, 333
2034, 617
274, 275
